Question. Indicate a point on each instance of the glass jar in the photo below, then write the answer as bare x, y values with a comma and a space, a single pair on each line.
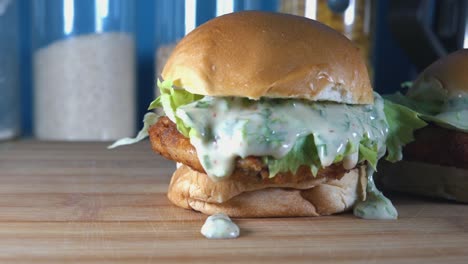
173, 19
352, 18
84, 69
9, 85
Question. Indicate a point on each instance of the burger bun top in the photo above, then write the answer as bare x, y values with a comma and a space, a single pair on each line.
449, 73
259, 54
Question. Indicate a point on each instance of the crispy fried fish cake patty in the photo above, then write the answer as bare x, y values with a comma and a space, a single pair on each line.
437, 145
171, 144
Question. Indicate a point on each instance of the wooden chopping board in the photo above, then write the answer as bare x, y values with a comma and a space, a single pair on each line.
81, 203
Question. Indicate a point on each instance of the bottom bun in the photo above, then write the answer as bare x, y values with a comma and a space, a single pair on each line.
312, 197
425, 179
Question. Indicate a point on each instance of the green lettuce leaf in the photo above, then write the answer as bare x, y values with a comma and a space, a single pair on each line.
149, 120
369, 154
450, 114
304, 152
423, 107
457, 120
402, 122
170, 99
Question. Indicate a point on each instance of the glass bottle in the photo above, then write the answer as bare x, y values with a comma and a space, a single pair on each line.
9, 84
84, 69
352, 18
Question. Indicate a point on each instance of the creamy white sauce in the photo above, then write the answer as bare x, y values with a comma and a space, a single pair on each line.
219, 226
225, 128
446, 108
455, 112
350, 161
376, 205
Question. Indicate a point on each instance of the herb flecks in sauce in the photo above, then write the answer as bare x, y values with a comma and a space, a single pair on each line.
227, 128
436, 104
376, 205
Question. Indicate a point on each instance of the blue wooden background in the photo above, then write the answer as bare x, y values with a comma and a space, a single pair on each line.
391, 66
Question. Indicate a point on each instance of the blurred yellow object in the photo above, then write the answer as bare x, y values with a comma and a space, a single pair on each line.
355, 22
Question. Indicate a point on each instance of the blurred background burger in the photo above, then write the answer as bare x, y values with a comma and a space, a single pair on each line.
436, 163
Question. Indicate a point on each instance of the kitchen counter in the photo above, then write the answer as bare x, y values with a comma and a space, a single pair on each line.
82, 203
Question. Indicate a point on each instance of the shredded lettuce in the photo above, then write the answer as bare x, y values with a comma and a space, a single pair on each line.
304, 152
457, 120
170, 99
149, 120
451, 114
402, 122
369, 154
421, 107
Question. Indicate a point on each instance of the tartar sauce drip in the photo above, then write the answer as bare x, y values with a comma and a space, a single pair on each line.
376, 205
220, 226
224, 128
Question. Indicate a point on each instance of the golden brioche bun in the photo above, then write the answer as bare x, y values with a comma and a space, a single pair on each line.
259, 54
313, 197
450, 73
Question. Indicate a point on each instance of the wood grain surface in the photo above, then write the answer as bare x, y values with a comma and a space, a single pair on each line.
81, 203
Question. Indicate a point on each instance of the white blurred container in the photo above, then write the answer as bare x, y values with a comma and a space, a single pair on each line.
84, 69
